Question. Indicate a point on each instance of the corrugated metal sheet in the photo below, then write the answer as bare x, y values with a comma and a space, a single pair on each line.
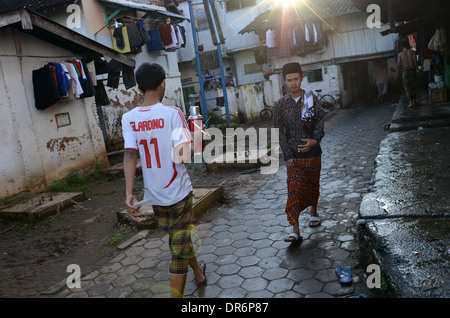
355, 38
34, 5
305, 11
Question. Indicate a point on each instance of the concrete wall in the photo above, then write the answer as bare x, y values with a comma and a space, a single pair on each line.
231, 22
33, 150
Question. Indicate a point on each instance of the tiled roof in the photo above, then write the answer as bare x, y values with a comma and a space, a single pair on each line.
34, 5
305, 11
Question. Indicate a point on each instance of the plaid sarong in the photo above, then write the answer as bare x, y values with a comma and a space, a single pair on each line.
175, 220
303, 182
410, 82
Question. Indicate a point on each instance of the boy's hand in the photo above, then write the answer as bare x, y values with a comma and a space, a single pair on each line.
133, 211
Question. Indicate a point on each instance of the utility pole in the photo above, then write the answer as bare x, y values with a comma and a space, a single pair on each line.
217, 40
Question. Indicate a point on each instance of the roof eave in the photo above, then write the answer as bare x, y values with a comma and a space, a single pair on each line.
39, 26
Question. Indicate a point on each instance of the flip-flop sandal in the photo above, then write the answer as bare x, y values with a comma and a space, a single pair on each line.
203, 283
344, 274
295, 237
314, 219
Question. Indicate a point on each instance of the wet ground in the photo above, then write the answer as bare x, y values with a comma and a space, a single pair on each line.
241, 239
408, 204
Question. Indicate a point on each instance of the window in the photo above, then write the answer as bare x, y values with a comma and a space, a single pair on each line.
314, 75
239, 4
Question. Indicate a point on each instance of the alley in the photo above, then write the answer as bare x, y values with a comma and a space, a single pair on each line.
241, 240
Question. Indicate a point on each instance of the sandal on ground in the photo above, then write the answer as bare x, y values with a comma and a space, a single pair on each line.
293, 237
344, 274
203, 266
314, 219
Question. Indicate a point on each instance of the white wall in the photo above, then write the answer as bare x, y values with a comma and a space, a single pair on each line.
231, 22
33, 150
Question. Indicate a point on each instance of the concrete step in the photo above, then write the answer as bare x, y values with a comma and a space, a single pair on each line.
204, 198
43, 205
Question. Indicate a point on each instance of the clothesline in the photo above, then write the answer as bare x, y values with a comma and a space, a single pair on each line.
147, 19
130, 38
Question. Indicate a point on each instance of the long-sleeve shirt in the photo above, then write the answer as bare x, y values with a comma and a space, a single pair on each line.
292, 129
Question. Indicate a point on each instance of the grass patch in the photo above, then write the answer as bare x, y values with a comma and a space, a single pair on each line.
76, 181
120, 235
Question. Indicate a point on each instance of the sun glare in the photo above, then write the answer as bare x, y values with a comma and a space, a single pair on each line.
285, 3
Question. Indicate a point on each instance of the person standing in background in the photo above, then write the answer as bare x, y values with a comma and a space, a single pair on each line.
408, 63
380, 78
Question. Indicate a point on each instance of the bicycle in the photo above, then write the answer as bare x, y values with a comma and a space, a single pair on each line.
223, 122
327, 101
266, 113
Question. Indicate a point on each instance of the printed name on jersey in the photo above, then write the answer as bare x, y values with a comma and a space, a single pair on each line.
148, 125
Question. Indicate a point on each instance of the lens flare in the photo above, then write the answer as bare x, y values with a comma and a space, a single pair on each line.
196, 241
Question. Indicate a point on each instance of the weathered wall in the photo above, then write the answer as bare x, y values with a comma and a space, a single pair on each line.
34, 152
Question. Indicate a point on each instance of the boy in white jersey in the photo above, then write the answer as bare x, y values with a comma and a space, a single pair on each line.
161, 136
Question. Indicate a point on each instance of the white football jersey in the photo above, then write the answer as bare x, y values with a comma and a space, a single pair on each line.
155, 131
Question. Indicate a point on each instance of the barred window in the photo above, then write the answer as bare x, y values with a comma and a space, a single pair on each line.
314, 75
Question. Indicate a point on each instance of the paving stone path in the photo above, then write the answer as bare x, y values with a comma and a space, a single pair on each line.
243, 245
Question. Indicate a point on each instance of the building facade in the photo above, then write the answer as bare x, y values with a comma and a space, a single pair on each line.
349, 49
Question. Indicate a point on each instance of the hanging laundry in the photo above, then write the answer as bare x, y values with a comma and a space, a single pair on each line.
270, 39
143, 32
299, 38
100, 66
174, 39
45, 90
76, 90
119, 39
63, 82
134, 36
88, 86
165, 31
155, 42
70, 93
114, 68
101, 97
183, 35
118, 35
307, 33
92, 72
315, 34
179, 37
79, 70
319, 32
128, 76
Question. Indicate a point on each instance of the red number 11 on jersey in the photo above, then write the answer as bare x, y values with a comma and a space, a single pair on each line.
147, 152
